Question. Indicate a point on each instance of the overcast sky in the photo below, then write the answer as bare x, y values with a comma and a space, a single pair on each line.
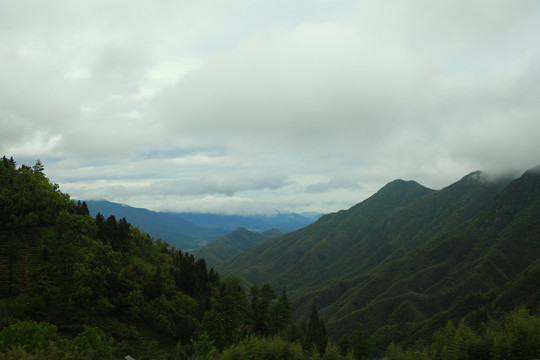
241, 106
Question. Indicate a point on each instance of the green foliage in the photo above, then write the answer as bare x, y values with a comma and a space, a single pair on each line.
110, 289
27, 198
203, 348
32, 340
94, 342
514, 336
279, 349
29, 335
264, 348
520, 338
395, 352
93, 279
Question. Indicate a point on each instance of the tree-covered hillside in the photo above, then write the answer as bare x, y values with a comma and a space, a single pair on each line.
405, 261
77, 287
227, 246
60, 266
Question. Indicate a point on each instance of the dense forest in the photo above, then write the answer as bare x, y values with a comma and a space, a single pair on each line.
73, 286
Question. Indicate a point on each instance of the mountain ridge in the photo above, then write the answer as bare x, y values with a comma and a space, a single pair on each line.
402, 255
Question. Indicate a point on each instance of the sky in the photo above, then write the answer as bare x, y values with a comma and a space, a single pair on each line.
252, 106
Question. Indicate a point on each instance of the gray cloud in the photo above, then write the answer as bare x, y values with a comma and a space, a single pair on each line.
223, 184
252, 107
334, 183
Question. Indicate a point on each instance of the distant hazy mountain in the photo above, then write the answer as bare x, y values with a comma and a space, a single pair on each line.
177, 231
284, 222
408, 259
227, 246
190, 231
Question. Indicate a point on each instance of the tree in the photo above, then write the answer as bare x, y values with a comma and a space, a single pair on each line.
93, 341
81, 208
315, 333
261, 299
38, 168
203, 348
215, 326
280, 313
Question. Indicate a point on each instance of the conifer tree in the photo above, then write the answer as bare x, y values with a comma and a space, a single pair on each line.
38, 168
315, 333
280, 313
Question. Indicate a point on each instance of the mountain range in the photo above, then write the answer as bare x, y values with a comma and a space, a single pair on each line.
408, 259
454, 273
190, 231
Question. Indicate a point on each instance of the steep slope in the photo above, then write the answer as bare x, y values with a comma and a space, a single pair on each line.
483, 266
394, 259
227, 246
298, 258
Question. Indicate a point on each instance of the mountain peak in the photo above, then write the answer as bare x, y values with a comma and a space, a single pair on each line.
398, 192
400, 184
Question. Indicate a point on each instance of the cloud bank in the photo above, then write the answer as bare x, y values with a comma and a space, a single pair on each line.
247, 107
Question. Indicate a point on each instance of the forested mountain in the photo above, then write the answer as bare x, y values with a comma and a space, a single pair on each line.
77, 287
408, 259
227, 246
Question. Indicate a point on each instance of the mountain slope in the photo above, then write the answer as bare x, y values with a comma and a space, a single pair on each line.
396, 259
308, 250
227, 246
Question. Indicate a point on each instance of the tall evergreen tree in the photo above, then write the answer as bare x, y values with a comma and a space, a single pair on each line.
316, 337
38, 168
280, 313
